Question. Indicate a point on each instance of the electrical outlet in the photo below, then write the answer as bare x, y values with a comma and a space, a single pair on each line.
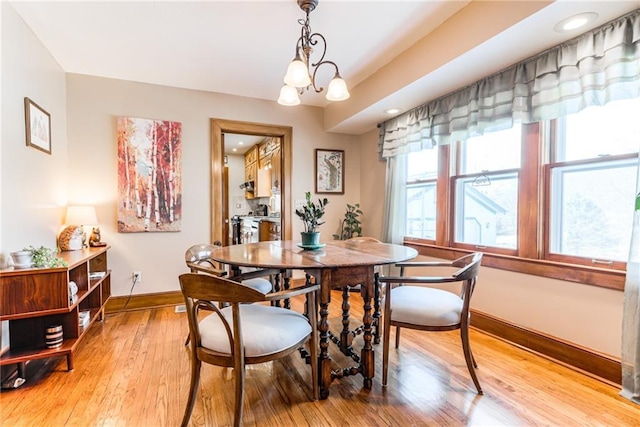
300, 203
137, 276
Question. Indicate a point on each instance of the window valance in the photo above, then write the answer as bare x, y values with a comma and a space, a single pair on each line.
597, 67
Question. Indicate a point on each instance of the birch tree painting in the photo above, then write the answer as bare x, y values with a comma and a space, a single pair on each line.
149, 175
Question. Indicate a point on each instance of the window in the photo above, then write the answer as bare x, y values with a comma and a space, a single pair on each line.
486, 190
422, 174
592, 184
560, 191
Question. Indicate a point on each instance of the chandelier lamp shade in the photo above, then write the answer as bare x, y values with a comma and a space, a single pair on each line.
301, 73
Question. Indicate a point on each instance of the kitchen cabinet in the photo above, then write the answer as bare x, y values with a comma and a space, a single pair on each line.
269, 230
251, 170
276, 168
251, 156
260, 162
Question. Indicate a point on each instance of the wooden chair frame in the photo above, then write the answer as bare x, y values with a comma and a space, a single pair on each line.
467, 273
199, 290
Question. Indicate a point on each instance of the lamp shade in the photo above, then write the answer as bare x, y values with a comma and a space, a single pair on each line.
288, 96
297, 74
81, 215
337, 90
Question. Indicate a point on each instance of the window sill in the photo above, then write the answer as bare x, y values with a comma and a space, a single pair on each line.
602, 277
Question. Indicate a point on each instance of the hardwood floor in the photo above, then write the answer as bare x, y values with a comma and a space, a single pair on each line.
133, 370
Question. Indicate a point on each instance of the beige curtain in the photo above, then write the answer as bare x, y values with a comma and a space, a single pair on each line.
595, 68
631, 314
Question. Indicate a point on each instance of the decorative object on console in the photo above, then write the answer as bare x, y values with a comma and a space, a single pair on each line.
22, 259
71, 238
94, 239
149, 175
299, 76
350, 225
329, 168
311, 215
73, 292
37, 126
54, 336
77, 217
6, 261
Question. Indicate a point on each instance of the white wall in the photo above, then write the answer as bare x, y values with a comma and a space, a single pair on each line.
33, 184
586, 315
93, 105
236, 177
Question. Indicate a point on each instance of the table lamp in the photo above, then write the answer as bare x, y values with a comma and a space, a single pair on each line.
73, 236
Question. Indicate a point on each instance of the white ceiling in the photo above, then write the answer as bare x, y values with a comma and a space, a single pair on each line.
243, 47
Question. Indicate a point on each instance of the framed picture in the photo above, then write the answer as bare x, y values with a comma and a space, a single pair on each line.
38, 126
329, 169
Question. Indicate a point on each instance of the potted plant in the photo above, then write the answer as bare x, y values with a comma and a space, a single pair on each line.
45, 257
350, 225
311, 215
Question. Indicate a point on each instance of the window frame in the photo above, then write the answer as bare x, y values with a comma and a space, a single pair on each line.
532, 255
575, 259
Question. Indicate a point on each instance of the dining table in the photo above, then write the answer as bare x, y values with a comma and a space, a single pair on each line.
339, 264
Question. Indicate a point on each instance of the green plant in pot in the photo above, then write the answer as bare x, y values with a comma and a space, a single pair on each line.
311, 215
45, 257
350, 225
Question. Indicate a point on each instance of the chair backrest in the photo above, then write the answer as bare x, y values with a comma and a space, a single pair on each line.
215, 288
198, 258
199, 253
469, 266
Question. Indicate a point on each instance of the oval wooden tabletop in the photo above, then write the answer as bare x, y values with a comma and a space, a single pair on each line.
288, 255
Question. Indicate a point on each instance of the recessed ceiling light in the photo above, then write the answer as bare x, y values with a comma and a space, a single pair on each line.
234, 150
392, 111
240, 142
575, 22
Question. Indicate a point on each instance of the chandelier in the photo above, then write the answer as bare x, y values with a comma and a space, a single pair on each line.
301, 73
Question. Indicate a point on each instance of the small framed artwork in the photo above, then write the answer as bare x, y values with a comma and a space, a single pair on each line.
38, 126
329, 169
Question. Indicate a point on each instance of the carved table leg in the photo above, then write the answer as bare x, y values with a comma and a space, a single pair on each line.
377, 302
276, 288
346, 337
285, 287
367, 359
324, 360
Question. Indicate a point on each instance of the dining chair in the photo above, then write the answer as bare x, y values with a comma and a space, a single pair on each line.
241, 334
409, 303
198, 259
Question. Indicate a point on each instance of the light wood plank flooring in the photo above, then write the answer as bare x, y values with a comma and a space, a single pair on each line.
133, 370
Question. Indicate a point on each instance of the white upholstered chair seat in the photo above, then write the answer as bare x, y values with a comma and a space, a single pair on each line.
412, 302
260, 284
264, 332
265, 329
425, 306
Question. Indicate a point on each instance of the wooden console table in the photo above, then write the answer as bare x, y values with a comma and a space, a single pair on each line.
33, 299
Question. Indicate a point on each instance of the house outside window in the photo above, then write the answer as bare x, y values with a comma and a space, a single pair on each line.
486, 190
